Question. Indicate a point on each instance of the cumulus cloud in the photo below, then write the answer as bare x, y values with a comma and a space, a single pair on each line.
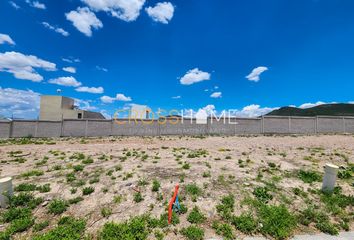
162, 12
4, 38
253, 110
310, 105
69, 69
23, 66
193, 76
127, 10
84, 20
95, 90
255, 74
56, 29
14, 5
65, 81
19, 103
216, 95
118, 97
84, 104
36, 4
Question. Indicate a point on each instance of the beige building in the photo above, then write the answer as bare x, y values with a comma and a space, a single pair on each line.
56, 108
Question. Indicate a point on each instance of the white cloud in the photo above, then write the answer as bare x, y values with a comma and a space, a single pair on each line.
14, 5
253, 110
36, 4
255, 74
84, 104
162, 12
107, 99
122, 97
119, 97
95, 90
56, 29
310, 105
65, 81
176, 97
102, 69
127, 10
216, 95
19, 103
193, 76
4, 38
84, 20
69, 69
71, 60
22, 66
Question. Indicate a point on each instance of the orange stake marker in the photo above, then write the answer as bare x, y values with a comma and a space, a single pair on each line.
173, 199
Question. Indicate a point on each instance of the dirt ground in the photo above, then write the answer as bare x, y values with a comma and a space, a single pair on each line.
218, 165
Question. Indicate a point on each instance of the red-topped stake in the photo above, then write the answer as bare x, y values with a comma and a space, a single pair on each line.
172, 201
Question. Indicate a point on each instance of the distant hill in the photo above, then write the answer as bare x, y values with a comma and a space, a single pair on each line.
340, 109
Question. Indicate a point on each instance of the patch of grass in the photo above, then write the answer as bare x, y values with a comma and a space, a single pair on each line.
155, 185
32, 173
24, 200
138, 197
57, 206
87, 190
15, 213
276, 221
78, 168
196, 216
226, 207
106, 212
40, 226
186, 166
68, 228
193, 190
44, 188
70, 177
223, 229
134, 229
193, 233
245, 223
309, 176
336, 202
262, 194
75, 200
25, 187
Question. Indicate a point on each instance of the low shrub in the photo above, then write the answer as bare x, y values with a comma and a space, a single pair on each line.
196, 216
193, 233
276, 221
223, 229
309, 176
57, 206
87, 190
245, 223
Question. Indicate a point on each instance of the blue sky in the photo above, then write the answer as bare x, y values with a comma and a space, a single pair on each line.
180, 54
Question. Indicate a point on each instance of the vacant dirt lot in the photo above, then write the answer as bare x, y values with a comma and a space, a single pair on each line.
111, 179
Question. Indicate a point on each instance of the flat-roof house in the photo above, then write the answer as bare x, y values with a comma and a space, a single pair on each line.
56, 108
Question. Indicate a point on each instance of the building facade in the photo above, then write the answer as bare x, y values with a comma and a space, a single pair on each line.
57, 108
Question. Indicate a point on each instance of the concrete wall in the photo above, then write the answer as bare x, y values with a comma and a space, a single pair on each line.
48, 129
302, 125
330, 125
235, 126
5, 129
24, 128
276, 125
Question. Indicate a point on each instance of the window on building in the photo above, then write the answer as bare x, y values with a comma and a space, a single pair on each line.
79, 115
